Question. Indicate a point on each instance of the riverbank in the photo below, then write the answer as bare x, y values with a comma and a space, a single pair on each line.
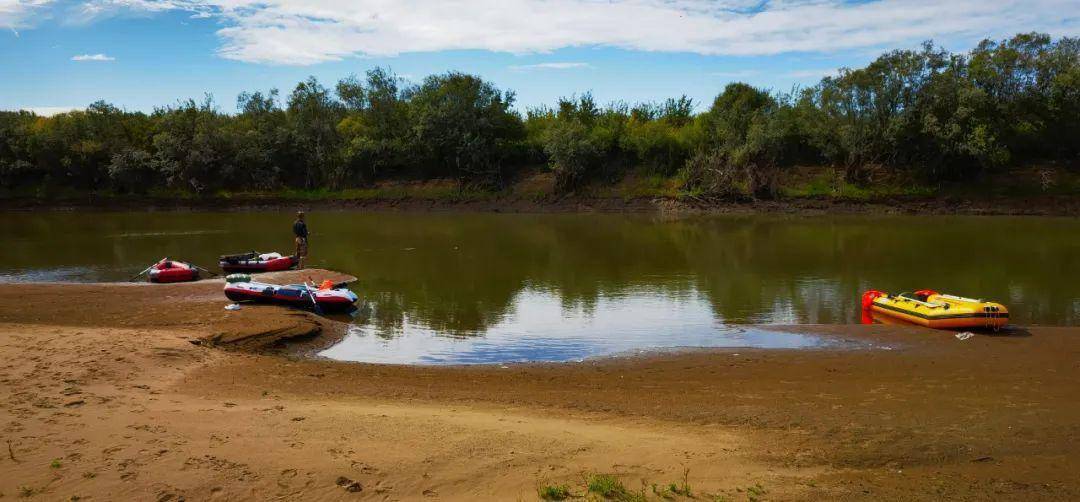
808, 191
112, 393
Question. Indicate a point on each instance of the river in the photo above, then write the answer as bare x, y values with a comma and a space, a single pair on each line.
461, 287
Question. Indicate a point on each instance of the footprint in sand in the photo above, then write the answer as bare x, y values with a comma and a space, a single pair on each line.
286, 477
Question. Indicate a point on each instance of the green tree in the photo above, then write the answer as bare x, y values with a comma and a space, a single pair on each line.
133, 171
263, 140
313, 115
464, 127
376, 129
191, 151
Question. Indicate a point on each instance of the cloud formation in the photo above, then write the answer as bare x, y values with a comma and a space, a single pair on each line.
549, 66
49, 111
15, 14
92, 57
303, 32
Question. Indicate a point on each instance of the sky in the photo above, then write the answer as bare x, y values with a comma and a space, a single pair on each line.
141, 54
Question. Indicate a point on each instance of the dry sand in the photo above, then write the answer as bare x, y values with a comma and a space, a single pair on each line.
106, 397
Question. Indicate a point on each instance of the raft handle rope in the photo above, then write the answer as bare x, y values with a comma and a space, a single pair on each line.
961, 298
922, 303
991, 314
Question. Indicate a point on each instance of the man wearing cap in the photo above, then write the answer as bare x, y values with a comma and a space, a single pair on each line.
299, 229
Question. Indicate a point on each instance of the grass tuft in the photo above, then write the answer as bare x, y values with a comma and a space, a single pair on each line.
756, 492
554, 492
610, 488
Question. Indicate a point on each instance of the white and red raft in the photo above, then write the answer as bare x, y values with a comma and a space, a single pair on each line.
330, 297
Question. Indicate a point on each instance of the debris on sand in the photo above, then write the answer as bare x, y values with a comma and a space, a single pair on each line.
348, 484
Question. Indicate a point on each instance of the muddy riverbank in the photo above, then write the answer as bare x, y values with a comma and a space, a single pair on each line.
1043, 205
105, 395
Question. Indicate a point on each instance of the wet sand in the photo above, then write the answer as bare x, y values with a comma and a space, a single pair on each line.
110, 393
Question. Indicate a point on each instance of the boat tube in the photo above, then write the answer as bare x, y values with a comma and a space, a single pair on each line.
929, 308
168, 270
257, 262
330, 297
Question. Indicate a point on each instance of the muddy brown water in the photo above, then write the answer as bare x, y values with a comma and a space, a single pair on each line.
469, 288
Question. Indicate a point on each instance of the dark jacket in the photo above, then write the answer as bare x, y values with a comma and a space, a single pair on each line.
299, 228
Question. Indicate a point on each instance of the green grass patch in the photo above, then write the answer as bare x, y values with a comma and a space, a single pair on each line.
609, 487
756, 492
829, 184
554, 492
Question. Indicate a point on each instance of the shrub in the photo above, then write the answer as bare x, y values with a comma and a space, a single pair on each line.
574, 155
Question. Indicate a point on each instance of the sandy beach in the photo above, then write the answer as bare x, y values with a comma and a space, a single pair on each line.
109, 393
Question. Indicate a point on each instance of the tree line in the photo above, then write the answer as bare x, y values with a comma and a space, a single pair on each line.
925, 113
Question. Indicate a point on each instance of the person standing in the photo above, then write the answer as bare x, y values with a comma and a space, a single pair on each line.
299, 229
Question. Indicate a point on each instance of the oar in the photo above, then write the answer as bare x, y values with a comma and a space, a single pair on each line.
136, 276
311, 294
203, 269
147, 269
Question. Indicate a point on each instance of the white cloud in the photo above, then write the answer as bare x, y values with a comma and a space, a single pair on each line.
92, 57
15, 14
549, 66
302, 32
49, 111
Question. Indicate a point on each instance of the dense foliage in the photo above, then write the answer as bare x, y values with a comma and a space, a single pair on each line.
926, 113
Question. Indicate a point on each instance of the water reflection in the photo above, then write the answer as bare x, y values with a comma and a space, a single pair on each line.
474, 283
539, 326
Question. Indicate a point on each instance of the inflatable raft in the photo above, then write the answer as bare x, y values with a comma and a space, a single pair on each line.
168, 270
936, 310
257, 262
330, 297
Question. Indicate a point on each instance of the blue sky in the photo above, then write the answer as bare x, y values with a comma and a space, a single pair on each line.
139, 54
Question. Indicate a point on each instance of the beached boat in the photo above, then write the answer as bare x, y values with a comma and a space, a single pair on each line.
328, 296
168, 270
937, 310
257, 262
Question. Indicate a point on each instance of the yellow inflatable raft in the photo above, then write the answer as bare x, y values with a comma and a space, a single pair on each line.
936, 310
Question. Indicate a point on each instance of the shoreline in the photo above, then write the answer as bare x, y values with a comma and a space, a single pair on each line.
111, 393
1050, 205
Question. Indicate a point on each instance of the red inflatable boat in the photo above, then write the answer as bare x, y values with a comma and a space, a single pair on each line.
168, 270
256, 262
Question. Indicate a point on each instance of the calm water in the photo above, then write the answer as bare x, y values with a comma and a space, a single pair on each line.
464, 288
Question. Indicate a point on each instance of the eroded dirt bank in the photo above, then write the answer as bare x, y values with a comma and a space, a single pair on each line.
1042, 205
104, 397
